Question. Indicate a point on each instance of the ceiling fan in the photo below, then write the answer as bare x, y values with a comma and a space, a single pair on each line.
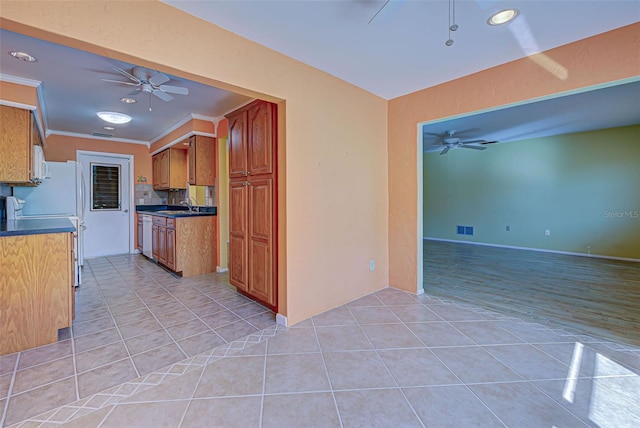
449, 141
149, 81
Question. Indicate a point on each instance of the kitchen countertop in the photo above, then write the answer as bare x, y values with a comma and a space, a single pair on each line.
174, 211
35, 226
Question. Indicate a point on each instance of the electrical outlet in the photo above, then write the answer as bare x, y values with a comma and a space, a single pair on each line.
372, 265
547, 232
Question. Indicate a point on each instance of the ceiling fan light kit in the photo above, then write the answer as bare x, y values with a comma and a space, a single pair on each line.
114, 117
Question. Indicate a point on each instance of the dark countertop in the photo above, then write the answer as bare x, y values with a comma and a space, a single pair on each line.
175, 211
35, 226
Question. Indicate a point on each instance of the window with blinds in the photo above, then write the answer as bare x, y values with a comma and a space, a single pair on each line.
105, 187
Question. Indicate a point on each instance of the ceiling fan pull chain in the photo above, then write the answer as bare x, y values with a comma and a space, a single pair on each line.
449, 42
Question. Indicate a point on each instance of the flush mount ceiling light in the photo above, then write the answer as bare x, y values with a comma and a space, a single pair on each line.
23, 56
502, 17
128, 100
108, 128
113, 117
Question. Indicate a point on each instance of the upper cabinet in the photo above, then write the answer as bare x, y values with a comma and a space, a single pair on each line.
18, 134
252, 131
170, 169
202, 160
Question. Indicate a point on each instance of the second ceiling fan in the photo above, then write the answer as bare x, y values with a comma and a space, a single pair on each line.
449, 141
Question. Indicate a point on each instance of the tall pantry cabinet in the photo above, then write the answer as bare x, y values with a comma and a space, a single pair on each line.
253, 201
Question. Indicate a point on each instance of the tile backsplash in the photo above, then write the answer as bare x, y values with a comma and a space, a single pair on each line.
146, 195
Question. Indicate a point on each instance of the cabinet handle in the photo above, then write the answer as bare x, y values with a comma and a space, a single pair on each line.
248, 172
244, 173
243, 183
249, 183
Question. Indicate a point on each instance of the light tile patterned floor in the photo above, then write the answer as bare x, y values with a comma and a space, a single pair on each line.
132, 318
389, 359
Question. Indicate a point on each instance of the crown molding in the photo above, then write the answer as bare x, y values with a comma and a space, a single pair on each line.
94, 137
20, 80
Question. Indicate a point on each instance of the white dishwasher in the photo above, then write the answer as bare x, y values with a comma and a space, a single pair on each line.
147, 230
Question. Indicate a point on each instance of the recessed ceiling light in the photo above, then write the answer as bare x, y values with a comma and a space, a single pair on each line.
108, 128
23, 56
113, 117
128, 100
502, 17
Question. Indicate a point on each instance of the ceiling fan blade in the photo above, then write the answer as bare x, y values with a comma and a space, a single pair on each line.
174, 89
158, 79
445, 150
129, 75
379, 10
474, 141
162, 95
488, 142
123, 83
136, 92
472, 147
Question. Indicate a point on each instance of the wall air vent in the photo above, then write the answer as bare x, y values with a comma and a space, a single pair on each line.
101, 134
464, 230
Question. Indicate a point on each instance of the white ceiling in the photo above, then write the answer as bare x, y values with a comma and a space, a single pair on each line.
401, 51
72, 92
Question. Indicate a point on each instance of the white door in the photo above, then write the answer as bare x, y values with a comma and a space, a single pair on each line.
107, 211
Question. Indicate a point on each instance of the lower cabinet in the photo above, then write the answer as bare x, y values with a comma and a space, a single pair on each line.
36, 289
186, 245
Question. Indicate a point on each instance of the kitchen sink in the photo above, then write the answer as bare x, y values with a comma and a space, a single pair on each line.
177, 212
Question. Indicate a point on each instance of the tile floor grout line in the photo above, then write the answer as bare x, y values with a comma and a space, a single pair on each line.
264, 386
75, 366
326, 372
9, 392
385, 363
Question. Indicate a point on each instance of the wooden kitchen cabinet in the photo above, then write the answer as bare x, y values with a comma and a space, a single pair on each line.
36, 289
186, 245
252, 136
170, 169
202, 160
253, 201
18, 134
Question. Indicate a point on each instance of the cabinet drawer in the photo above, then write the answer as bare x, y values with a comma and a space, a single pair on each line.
160, 221
171, 222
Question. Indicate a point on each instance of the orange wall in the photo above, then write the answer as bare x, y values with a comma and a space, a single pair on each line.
604, 58
180, 133
333, 200
61, 148
21, 94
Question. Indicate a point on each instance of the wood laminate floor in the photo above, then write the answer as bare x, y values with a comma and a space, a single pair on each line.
599, 297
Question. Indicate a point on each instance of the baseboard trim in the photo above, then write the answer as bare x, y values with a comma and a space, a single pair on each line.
281, 320
541, 250
221, 269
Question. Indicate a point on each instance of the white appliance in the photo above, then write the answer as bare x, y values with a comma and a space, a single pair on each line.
61, 194
14, 207
147, 228
40, 166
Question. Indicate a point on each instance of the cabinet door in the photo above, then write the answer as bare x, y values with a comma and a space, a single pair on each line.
237, 234
162, 245
238, 145
176, 169
171, 249
154, 242
192, 161
205, 160
15, 145
260, 128
261, 240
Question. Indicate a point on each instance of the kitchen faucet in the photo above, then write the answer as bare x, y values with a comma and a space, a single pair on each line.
187, 202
